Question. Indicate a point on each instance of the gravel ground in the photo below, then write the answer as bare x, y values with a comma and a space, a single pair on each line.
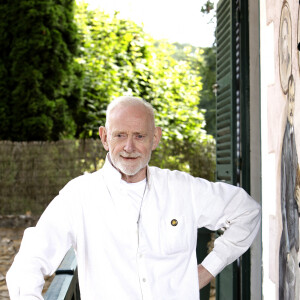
11, 233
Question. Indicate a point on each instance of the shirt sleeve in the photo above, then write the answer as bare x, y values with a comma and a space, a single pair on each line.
231, 208
42, 249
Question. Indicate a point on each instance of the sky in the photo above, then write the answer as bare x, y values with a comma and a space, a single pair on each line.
174, 20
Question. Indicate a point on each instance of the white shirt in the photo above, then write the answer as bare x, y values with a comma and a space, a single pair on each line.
119, 258
136, 192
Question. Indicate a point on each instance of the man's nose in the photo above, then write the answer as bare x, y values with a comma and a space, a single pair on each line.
129, 146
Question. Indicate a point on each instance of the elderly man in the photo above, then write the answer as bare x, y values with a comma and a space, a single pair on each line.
134, 227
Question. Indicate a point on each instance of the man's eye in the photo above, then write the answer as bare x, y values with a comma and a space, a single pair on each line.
140, 136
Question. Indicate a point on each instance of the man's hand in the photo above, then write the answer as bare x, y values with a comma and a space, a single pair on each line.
204, 276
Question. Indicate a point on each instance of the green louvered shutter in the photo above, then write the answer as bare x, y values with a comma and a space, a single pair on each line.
226, 106
226, 282
233, 142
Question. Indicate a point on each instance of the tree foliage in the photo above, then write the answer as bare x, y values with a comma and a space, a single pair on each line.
203, 63
207, 69
38, 77
118, 58
115, 60
59, 69
207, 6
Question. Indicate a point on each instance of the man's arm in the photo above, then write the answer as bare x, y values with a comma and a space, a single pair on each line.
225, 206
42, 249
204, 276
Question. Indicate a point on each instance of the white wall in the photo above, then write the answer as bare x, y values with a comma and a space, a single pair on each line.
273, 120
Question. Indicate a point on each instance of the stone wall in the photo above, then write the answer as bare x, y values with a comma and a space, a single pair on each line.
32, 173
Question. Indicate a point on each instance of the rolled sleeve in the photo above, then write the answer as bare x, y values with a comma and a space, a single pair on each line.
232, 209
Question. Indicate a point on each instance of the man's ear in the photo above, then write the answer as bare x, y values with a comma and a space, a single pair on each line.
103, 137
157, 136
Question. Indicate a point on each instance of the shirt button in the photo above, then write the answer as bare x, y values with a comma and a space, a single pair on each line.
174, 222
141, 256
144, 279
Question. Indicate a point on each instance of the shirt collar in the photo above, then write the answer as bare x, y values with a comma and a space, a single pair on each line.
110, 171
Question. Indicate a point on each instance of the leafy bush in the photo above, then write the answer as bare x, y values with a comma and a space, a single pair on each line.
118, 58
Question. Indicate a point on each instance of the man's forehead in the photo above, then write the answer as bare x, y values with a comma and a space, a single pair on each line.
133, 115
129, 126
129, 110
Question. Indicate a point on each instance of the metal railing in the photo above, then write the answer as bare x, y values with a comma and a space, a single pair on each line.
65, 285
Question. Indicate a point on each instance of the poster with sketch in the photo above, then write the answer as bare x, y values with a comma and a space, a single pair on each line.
285, 47
289, 242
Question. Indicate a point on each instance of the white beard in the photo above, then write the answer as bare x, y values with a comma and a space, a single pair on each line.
129, 168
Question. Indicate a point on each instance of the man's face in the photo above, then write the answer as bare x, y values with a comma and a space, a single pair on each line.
130, 139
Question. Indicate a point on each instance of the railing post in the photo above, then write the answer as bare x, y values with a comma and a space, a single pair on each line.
65, 283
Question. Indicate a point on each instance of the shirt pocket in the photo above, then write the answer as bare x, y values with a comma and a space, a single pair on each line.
173, 235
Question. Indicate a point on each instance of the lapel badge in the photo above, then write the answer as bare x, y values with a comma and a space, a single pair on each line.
174, 222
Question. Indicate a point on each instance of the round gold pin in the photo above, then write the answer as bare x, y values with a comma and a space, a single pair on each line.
174, 222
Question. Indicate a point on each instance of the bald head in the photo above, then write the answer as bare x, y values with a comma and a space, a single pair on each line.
130, 136
128, 101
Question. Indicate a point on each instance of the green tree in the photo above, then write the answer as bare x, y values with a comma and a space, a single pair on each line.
118, 58
203, 62
186, 145
207, 70
208, 6
115, 61
39, 80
